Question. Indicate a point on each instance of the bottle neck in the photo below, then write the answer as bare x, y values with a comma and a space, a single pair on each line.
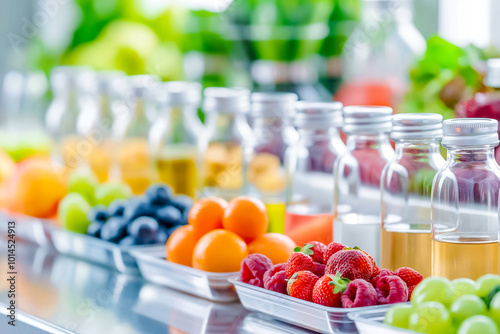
461, 154
417, 148
319, 134
367, 141
387, 11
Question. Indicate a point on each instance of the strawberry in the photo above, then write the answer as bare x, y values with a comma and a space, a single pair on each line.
332, 248
350, 263
328, 290
301, 285
317, 249
298, 261
410, 291
410, 276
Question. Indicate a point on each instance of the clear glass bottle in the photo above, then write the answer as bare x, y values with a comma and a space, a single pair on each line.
271, 120
70, 92
377, 57
131, 129
465, 201
227, 144
406, 192
309, 172
174, 137
357, 176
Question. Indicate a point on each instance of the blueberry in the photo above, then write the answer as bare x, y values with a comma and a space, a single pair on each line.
169, 216
114, 230
98, 213
182, 202
94, 229
138, 207
127, 241
159, 194
163, 234
117, 207
143, 229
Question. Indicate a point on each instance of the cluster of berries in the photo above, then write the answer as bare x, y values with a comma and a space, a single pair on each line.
333, 275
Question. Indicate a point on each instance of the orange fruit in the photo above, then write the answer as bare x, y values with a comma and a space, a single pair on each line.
206, 215
219, 251
180, 245
247, 217
277, 247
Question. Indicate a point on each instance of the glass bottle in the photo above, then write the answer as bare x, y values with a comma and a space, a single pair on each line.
309, 172
174, 137
131, 129
465, 201
357, 176
271, 120
70, 90
486, 103
227, 143
377, 57
406, 192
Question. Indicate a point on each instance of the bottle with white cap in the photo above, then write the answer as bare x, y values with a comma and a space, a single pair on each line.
465, 195
271, 121
406, 192
174, 137
131, 129
357, 177
226, 145
309, 167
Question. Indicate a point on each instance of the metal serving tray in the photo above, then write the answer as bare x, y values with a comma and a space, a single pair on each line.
212, 286
298, 312
371, 322
30, 229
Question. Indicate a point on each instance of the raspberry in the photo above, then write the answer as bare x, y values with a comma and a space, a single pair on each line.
275, 278
253, 268
410, 276
359, 293
383, 272
351, 264
332, 248
298, 262
301, 285
410, 291
391, 289
319, 269
317, 249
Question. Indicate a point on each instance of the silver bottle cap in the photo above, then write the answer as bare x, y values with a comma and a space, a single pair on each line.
110, 81
141, 85
179, 93
470, 132
318, 115
367, 119
417, 126
226, 100
492, 78
64, 78
273, 104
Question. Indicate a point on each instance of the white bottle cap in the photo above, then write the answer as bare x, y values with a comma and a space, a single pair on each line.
141, 85
417, 126
179, 93
64, 78
226, 100
367, 119
275, 104
110, 81
470, 132
492, 78
318, 115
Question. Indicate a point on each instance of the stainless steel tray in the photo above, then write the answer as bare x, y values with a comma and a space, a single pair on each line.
212, 286
371, 321
296, 311
30, 229
95, 250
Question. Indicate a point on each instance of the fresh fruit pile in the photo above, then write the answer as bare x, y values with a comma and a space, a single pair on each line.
461, 306
219, 235
331, 275
143, 220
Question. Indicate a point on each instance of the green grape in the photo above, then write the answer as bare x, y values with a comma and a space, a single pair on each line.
108, 192
82, 181
495, 308
431, 318
72, 213
478, 324
435, 289
486, 283
464, 286
398, 316
467, 306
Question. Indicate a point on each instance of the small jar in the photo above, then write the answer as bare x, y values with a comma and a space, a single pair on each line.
227, 144
406, 192
175, 136
357, 177
309, 172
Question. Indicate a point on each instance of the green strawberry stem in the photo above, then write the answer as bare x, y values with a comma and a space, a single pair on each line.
340, 283
306, 249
